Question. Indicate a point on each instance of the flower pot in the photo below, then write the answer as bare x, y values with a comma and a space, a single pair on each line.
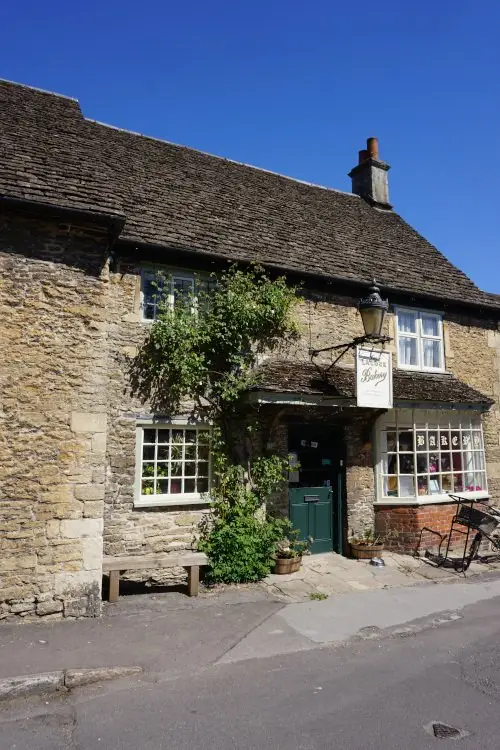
366, 551
284, 565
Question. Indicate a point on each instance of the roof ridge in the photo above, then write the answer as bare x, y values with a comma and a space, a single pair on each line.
40, 91
221, 158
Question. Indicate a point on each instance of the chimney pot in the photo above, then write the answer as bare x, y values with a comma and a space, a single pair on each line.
369, 177
372, 148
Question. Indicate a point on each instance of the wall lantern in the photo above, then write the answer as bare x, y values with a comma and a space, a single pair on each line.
372, 309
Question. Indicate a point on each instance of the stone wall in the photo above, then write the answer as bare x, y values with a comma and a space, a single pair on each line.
53, 408
70, 328
129, 530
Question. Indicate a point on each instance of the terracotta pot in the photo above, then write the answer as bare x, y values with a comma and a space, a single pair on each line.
366, 551
284, 565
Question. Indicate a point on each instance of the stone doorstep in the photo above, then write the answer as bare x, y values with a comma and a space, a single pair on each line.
64, 679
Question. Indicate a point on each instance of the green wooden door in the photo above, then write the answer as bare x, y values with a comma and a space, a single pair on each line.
311, 512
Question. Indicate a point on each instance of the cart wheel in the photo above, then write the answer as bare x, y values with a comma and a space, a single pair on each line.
474, 549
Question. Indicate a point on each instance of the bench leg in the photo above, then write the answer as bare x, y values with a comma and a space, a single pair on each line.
193, 580
114, 585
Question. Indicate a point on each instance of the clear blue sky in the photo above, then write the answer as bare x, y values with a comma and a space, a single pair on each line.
296, 87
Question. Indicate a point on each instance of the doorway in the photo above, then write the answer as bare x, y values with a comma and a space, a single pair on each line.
316, 485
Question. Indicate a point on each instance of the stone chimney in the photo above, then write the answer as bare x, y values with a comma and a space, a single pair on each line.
369, 177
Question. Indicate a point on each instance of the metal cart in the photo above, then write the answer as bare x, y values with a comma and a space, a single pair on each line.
486, 523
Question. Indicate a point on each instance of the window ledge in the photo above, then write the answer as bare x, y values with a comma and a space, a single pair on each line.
432, 499
159, 501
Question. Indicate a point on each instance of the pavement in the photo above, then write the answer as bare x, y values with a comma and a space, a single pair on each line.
167, 632
330, 574
410, 686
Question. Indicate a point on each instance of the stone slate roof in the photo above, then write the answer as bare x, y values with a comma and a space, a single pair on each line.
179, 198
307, 378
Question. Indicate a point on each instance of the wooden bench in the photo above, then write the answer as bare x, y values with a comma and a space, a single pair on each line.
190, 561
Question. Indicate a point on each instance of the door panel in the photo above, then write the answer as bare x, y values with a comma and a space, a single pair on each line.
313, 517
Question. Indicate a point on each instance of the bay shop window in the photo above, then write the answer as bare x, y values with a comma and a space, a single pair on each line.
430, 454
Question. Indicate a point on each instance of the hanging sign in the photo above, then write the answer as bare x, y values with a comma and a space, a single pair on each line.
373, 378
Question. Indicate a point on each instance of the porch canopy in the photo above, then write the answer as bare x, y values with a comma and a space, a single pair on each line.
283, 382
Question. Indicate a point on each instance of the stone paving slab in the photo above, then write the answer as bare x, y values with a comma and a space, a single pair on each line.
332, 575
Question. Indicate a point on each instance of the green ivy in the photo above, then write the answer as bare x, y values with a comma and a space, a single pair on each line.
205, 351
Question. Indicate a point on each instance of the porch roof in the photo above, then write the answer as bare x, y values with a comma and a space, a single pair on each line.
306, 379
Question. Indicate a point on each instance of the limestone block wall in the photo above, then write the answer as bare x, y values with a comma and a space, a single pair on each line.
128, 529
53, 418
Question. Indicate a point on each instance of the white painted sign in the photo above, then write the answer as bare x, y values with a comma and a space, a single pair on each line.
373, 378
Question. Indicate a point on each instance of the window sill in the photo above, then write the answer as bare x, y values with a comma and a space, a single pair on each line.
159, 501
430, 370
433, 499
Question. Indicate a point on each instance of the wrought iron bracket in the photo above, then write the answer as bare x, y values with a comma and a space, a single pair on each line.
344, 348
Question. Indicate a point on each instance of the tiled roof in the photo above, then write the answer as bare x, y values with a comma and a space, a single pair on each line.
180, 198
418, 387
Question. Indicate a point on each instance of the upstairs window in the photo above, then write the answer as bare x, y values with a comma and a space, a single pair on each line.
178, 287
419, 340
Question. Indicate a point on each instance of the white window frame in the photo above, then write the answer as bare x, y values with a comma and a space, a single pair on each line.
159, 500
150, 274
423, 420
420, 337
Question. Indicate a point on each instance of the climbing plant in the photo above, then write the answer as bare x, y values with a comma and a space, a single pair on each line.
203, 351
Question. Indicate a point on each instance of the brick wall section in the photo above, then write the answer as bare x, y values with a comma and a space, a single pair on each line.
52, 418
412, 529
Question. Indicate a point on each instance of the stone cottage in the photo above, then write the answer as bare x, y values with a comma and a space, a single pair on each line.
88, 213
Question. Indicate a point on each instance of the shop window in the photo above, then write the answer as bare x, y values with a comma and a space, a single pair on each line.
419, 340
173, 466
432, 459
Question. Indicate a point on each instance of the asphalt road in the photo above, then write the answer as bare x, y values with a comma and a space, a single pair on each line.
380, 691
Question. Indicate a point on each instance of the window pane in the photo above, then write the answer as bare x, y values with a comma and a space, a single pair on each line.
390, 486
148, 487
149, 436
421, 441
469, 482
190, 436
406, 487
447, 484
477, 441
190, 452
423, 485
148, 452
163, 436
455, 440
391, 438
406, 464
176, 486
407, 322
162, 487
430, 325
434, 485
148, 470
432, 353
445, 462
458, 481
190, 469
162, 470
189, 485
432, 437
408, 351
444, 440
389, 463
176, 468
422, 463
149, 311
177, 436
479, 460
202, 485
480, 480
406, 441
163, 452
183, 289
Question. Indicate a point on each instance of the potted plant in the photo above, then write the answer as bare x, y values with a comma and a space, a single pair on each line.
366, 546
289, 551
